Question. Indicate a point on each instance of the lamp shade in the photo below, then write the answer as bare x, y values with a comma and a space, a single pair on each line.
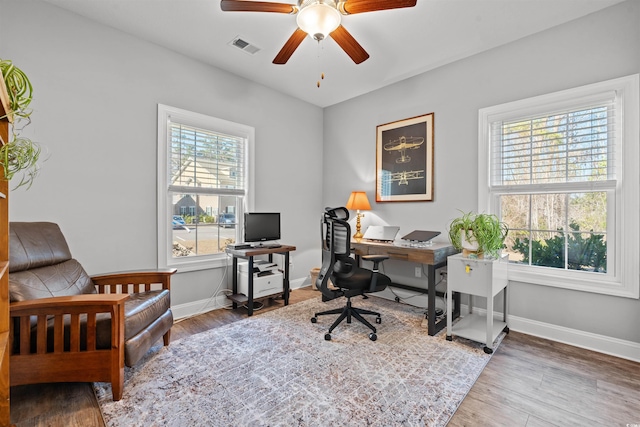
358, 201
318, 19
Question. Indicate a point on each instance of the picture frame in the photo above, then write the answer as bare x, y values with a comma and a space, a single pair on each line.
404, 160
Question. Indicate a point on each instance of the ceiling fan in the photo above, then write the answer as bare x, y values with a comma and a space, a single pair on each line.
319, 19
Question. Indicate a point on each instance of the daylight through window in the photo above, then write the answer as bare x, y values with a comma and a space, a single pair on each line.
205, 184
561, 171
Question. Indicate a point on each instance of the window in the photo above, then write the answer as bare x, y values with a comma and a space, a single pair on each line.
202, 169
562, 171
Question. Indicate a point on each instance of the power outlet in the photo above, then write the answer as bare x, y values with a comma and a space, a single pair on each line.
418, 272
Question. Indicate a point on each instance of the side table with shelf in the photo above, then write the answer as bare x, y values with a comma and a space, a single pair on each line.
477, 277
249, 254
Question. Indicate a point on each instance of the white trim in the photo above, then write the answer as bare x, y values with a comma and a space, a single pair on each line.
623, 277
602, 344
194, 308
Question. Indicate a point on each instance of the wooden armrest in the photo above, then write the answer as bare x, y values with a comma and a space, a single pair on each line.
75, 308
133, 281
85, 303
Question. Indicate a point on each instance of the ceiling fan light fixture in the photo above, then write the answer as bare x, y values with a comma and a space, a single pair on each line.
318, 18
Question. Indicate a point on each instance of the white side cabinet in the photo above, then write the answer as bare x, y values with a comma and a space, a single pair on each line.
477, 277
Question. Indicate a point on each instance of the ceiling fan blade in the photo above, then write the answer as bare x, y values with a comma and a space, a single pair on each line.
346, 41
290, 46
349, 7
256, 6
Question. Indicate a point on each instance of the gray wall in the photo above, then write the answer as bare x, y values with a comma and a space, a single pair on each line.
96, 92
598, 47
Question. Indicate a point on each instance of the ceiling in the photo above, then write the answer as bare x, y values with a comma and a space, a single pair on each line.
401, 43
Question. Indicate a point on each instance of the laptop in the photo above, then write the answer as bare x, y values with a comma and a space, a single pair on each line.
421, 235
382, 233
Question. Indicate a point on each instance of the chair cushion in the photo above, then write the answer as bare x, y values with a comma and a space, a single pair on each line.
64, 279
358, 281
36, 244
141, 309
136, 347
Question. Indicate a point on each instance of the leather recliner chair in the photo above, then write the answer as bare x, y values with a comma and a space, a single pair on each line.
69, 327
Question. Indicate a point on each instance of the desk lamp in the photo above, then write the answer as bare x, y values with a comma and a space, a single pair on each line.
358, 201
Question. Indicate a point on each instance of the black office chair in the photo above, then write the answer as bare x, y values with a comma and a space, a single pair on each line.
348, 279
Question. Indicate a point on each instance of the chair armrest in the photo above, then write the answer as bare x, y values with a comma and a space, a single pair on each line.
375, 259
85, 303
75, 303
133, 281
38, 313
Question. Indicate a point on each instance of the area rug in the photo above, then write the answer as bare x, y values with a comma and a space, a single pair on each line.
276, 369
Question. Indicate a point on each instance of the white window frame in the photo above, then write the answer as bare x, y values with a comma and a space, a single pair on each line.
624, 220
165, 236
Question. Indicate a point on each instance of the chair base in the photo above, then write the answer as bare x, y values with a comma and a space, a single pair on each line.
348, 312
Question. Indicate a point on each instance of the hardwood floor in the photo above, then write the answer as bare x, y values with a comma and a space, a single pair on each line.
529, 382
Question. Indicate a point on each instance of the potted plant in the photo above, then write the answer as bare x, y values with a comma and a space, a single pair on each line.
20, 154
478, 234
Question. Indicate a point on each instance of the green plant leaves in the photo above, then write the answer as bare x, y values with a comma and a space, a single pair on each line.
18, 87
486, 229
21, 154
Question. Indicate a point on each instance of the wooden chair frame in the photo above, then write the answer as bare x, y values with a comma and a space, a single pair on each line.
78, 364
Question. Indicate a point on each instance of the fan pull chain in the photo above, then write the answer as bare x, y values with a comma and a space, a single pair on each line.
319, 64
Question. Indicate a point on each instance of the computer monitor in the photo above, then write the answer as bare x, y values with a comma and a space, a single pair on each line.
261, 226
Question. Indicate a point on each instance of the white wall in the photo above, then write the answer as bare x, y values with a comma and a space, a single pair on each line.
598, 47
96, 92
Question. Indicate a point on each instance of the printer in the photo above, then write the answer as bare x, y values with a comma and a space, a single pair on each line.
260, 267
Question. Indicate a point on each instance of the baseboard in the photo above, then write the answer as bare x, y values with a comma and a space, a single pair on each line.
195, 308
602, 344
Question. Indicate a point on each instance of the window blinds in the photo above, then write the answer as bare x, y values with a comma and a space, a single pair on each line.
202, 161
571, 146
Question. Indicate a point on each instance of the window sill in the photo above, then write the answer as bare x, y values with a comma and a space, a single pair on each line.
194, 264
574, 280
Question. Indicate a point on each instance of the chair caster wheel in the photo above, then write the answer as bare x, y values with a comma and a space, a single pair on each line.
327, 337
378, 320
488, 350
397, 299
449, 338
506, 329
314, 320
373, 336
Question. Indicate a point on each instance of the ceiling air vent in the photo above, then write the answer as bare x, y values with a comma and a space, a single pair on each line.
245, 46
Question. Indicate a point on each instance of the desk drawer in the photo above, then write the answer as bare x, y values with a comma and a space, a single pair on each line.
393, 253
430, 255
398, 253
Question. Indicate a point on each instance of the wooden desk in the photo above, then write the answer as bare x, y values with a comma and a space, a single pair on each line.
434, 257
248, 254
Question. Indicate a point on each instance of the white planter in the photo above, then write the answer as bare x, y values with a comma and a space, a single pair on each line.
466, 244
469, 247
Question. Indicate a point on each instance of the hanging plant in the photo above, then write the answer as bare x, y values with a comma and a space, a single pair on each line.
20, 155
19, 88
